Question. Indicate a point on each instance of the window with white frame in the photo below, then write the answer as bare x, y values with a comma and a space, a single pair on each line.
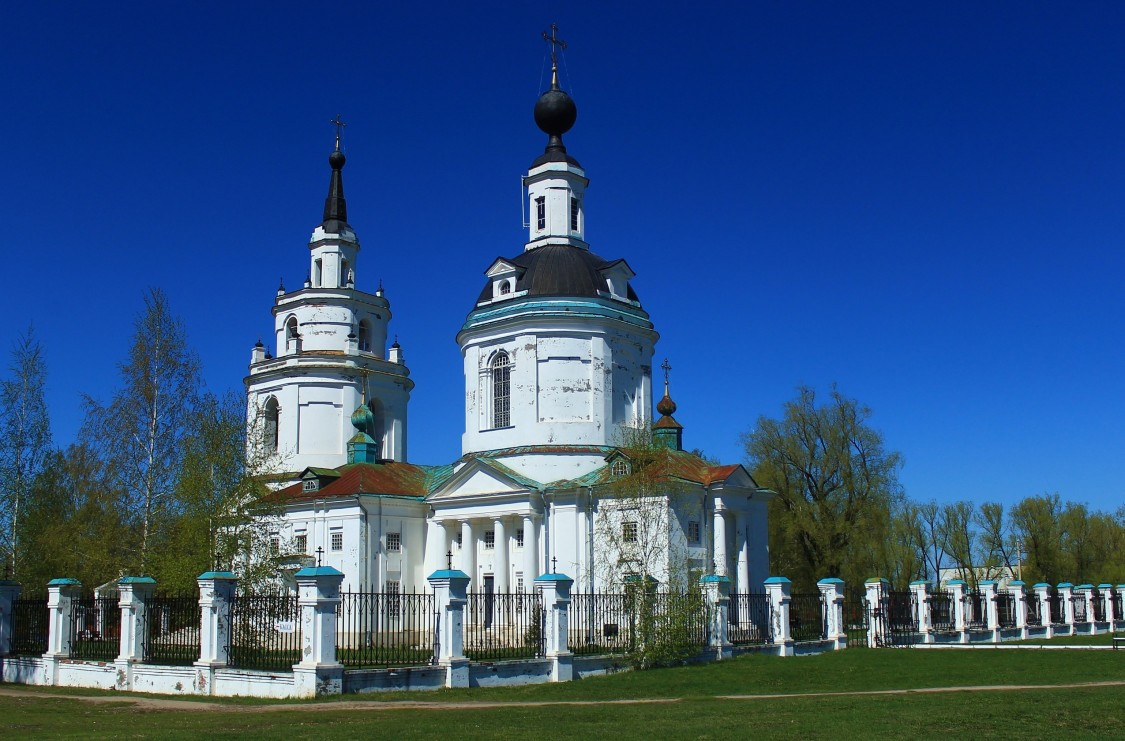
519, 582
394, 542
501, 390
519, 538
489, 539
337, 540
540, 213
694, 532
275, 545
392, 589
573, 214
620, 467
629, 531
301, 543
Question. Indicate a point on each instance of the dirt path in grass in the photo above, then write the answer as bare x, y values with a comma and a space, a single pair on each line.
157, 703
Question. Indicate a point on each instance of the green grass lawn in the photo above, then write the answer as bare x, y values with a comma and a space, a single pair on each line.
1082, 712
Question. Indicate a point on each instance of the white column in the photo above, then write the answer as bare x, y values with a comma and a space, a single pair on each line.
1066, 596
780, 593
956, 589
720, 538
1015, 588
318, 597
920, 590
1046, 619
469, 552
832, 595
501, 569
435, 548
450, 528
742, 583
530, 550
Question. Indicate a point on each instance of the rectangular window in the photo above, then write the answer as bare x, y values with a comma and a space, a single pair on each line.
489, 539
573, 214
519, 583
338, 540
394, 603
394, 542
541, 213
301, 543
275, 545
629, 532
458, 539
519, 538
693, 532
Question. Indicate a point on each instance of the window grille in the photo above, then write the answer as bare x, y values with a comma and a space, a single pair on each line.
693, 532
337, 541
275, 545
394, 602
519, 538
394, 542
541, 213
505, 288
501, 391
489, 539
619, 468
629, 532
573, 214
301, 543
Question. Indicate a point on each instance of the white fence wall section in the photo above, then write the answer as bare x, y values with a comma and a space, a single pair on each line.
984, 616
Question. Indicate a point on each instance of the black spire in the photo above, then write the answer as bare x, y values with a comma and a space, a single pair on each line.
335, 207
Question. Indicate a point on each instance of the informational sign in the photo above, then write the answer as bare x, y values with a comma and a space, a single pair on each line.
285, 626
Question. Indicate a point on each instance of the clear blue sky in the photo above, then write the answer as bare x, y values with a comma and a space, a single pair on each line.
920, 202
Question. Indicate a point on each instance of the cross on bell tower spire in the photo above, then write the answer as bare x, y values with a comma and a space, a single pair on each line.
556, 44
339, 124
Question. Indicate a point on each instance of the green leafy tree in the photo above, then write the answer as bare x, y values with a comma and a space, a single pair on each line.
25, 442
836, 482
959, 536
1036, 522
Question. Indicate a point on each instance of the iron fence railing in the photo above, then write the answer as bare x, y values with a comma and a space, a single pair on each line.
1119, 606
386, 629
171, 629
1006, 610
601, 623
265, 632
1058, 614
807, 618
901, 615
942, 617
30, 622
1097, 608
1034, 610
1078, 604
95, 628
856, 612
749, 619
975, 611
679, 617
504, 625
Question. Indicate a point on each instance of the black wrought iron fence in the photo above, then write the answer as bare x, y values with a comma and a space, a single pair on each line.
807, 618
1058, 614
1119, 606
1098, 608
171, 629
601, 623
1034, 610
749, 619
1078, 604
30, 623
265, 632
900, 614
678, 617
856, 616
943, 619
976, 616
95, 628
1006, 609
385, 629
504, 626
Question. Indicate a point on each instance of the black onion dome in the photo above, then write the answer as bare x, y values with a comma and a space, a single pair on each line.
559, 270
555, 114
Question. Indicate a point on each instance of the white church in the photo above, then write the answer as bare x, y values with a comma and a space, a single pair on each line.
563, 467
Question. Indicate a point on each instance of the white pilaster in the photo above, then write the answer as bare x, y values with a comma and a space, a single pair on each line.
720, 537
956, 589
779, 590
921, 591
501, 569
469, 551
530, 548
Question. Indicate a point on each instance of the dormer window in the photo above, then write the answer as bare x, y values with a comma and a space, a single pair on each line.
619, 468
541, 213
505, 287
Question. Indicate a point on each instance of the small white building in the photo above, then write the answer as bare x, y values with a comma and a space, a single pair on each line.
557, 358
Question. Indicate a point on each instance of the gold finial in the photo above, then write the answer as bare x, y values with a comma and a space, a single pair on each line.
556, 44
339, 124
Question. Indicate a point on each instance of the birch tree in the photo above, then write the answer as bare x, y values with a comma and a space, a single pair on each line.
142, 429
25, 441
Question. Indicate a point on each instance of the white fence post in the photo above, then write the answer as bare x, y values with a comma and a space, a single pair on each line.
133, 592
216, 593
1043, 594
921, 590
450, 596
1107, 605
716, 590
876, 619
556, 601
1015, 588
779, 589
9, 593
988, 591
318, 598
956, 589
1066, 597
61, 594
832, 597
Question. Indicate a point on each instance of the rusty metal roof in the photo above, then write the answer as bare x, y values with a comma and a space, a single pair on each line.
390, 479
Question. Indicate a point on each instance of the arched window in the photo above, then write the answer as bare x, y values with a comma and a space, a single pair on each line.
501, 390
364, 336
619, 468
272, 413
505, 288
343, 273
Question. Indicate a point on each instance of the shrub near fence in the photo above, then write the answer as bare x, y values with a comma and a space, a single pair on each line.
504, 626
601, 623
30, 622
95, 628
265, 632
171, 629
386, 629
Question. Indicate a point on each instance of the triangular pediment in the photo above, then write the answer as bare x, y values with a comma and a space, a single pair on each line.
478, 478
500, 267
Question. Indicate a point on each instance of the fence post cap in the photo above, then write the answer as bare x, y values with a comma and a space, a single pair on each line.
831, 580
1105, 586
311, 571
713, 579
1085, 586
1041, 585
919, 582
62, 582
952, 582
448, 574
217, 575
1016, 583
1065, 585
777, 580
1121, 586
878, 580
554, 577
136, 580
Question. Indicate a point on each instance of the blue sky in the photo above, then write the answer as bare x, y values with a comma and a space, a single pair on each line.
920, 202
